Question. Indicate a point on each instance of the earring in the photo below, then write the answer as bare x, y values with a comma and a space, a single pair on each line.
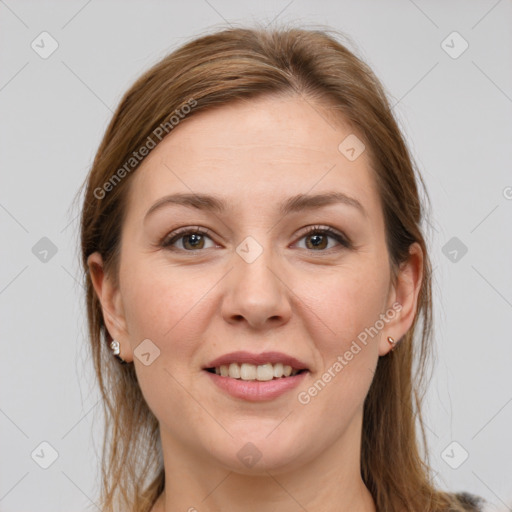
392, 341
115, 347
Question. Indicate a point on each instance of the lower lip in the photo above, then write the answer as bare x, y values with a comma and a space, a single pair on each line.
256, 391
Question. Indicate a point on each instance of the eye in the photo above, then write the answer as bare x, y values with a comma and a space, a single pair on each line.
191, 239
318, 238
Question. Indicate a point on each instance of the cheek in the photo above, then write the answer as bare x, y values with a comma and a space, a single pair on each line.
341, 312
344, 312
345, 304
156, 297
167, 306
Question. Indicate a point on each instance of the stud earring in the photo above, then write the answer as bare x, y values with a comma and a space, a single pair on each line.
115, 347
392, 341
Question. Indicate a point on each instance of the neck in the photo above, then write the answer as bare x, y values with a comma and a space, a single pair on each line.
269, 495
330, 482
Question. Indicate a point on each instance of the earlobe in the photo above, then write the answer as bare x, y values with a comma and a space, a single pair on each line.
109, 297
404, 299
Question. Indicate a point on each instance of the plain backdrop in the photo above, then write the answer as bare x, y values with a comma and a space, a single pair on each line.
447, 68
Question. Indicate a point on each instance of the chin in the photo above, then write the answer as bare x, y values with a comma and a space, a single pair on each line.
274, 465
261, 456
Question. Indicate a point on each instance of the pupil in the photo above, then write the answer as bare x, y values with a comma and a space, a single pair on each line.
317, 240
195, 239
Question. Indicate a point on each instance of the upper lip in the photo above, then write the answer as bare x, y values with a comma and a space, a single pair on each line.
257, 359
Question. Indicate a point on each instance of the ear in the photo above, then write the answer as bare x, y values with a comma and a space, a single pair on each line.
111, 304
404, 296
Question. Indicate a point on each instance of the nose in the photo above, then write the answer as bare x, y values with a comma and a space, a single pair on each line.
256, 293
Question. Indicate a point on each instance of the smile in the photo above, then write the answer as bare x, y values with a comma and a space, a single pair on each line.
250, 372
256, 377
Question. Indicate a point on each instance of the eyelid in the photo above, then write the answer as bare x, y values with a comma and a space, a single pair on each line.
340, 237
175, 235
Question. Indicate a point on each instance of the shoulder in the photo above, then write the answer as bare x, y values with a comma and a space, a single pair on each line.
471, 502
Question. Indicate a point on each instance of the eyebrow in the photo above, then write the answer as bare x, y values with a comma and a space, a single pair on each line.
293, 204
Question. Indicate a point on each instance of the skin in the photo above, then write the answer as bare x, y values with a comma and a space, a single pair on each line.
295, 298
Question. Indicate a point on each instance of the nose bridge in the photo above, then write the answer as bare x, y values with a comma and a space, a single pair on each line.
254, 271
255, 289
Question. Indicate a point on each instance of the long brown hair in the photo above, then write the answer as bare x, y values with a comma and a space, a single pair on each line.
210, 71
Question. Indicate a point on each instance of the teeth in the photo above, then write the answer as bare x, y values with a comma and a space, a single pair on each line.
248, 372
263, 372
234, 371
278, 370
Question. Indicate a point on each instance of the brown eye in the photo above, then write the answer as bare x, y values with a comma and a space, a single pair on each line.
317, 239
195, 240
190, 240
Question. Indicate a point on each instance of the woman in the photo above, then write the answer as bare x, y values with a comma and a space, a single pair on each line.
254, 259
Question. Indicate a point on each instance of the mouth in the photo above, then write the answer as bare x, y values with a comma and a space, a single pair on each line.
263, 367
256, 377
251, 372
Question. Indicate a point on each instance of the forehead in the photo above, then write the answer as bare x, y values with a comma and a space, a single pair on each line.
255, 152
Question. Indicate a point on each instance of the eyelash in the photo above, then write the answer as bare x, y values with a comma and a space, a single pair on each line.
197, 230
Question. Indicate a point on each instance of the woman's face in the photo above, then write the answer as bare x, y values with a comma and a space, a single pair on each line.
256, 283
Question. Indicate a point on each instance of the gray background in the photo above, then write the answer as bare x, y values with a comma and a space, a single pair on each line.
456, 115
